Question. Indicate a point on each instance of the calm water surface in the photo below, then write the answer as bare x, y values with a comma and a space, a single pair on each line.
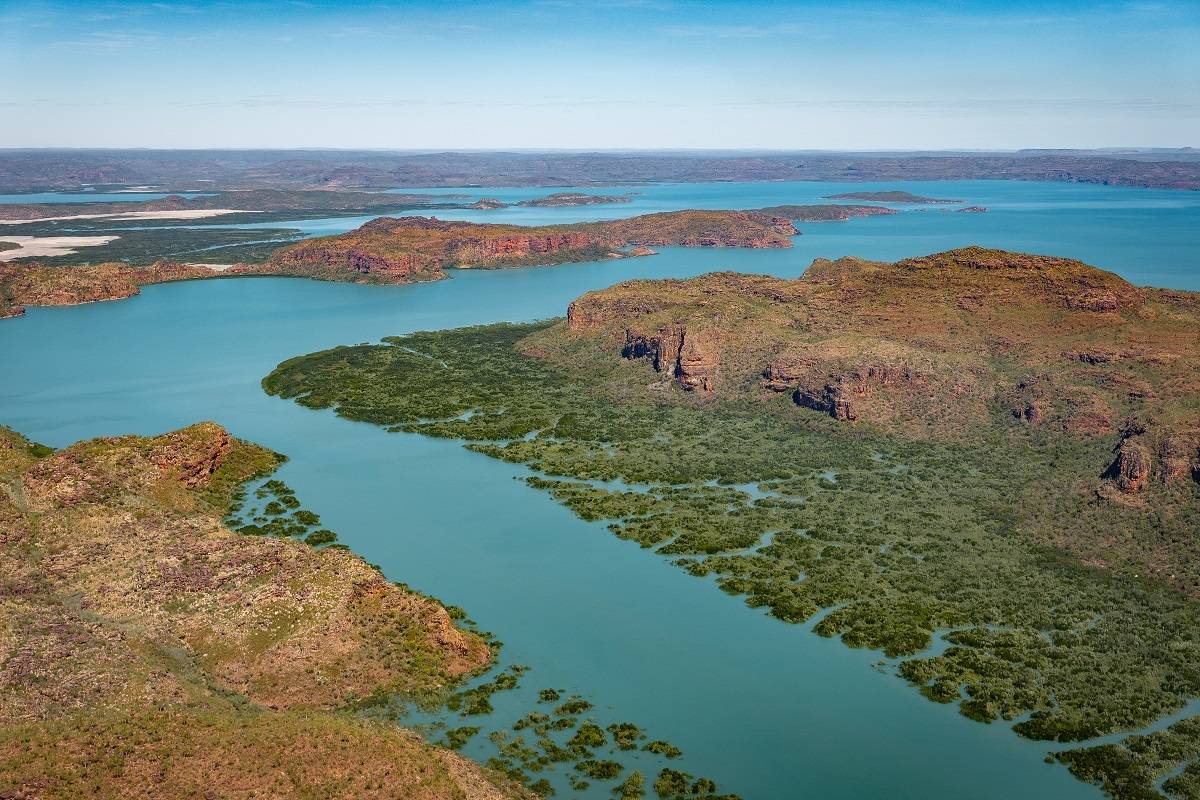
1147, 235
768, 710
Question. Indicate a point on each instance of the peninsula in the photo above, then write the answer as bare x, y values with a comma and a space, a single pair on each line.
996, 450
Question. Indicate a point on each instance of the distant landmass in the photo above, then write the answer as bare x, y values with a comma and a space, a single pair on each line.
183, 170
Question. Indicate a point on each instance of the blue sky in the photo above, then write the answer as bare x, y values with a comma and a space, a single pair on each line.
601, 74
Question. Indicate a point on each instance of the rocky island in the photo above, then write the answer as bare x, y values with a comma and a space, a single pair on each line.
831, 212
889, 197
567, 199
146, 650
996, 450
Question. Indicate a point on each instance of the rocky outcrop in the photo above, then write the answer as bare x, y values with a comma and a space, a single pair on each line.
690, 357
1046, 399
1130, 470
1179, 457
840, 395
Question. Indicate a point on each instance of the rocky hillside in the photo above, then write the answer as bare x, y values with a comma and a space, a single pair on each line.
37, 285
936, 346
408, 249
147, 651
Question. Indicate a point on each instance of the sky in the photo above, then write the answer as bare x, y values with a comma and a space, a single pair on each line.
605, 74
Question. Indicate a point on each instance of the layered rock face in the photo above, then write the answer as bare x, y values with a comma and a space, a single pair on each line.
691, 357
943, 345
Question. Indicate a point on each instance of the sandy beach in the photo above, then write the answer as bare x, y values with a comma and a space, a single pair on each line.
49, 245
197, 213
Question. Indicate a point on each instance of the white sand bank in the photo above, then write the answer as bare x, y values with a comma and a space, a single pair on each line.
49, 245
193, 213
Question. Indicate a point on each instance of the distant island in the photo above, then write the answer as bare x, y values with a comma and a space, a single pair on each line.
562, 199
830, 212
889, 197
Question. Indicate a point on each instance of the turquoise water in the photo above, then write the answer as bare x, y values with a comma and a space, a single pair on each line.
768, 710
1147, 235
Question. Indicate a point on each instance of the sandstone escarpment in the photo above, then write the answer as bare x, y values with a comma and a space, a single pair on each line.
943, 345
690, 357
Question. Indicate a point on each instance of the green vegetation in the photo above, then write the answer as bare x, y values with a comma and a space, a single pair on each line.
902, 538
281, 516
456, 738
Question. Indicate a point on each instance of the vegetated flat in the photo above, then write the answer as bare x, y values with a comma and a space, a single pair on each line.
933, 448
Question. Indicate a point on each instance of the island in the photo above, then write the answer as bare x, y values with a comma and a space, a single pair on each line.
151, 651
996, 453
889, 197
831, 212
565, 199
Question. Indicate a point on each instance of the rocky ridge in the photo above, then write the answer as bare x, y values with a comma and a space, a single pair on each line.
33, 284
408, 249
938, 346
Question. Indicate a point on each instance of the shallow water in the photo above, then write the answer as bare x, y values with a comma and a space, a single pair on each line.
769, 710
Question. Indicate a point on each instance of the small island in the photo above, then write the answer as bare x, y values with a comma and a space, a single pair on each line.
889, 197
565, 199
830, 212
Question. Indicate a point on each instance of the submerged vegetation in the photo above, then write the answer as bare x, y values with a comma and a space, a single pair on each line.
902, 541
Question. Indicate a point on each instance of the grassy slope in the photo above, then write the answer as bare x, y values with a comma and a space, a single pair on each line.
147, 651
